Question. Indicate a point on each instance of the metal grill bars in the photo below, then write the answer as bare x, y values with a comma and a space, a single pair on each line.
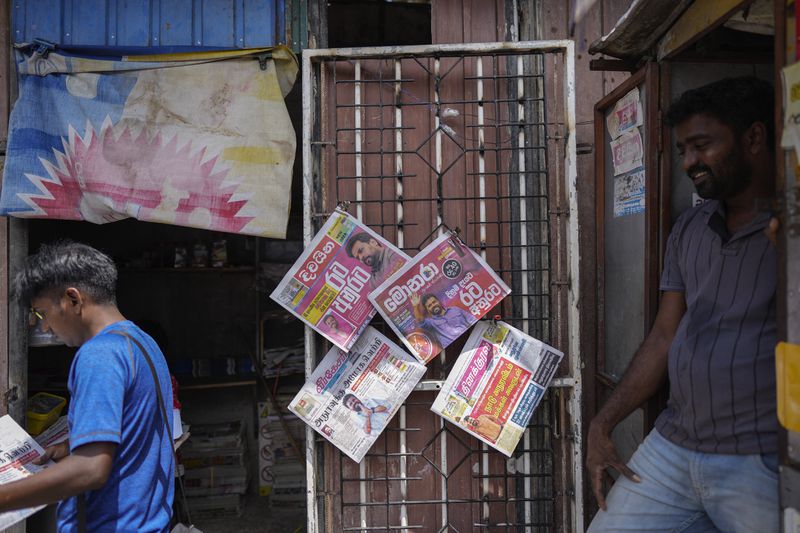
380, 165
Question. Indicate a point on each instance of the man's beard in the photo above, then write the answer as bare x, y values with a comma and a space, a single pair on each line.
734, 176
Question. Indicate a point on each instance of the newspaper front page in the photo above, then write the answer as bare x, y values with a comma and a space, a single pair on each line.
438, 295
496, 384
327, 286
17, 450
351, 396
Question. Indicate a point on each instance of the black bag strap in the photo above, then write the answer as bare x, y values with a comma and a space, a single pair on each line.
162, 408
81, 509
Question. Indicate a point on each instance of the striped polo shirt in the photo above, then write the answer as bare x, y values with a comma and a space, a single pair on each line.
722, 359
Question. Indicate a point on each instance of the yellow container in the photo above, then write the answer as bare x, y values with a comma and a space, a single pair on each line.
787, 366
43, 410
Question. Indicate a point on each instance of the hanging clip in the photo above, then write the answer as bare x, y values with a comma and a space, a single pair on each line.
42, 47
495, 319
455, 239
262, 60
343, 206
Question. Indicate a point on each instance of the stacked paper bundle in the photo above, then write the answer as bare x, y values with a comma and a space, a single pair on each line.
216, 477
281, 474
284, 360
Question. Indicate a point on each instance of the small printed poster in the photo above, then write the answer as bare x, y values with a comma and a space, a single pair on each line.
627, 152
626, 114
438, 295
629, 191
790, 76
328, 285
497, 383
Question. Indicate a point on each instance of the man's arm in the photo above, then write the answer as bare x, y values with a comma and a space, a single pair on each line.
641, 380
87, 468
419, 314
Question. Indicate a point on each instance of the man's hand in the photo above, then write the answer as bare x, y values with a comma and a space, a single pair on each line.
771, 231
55, 453
600, 455
415, 299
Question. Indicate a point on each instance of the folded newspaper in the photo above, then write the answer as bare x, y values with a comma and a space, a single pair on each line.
438, 295
327, 287
496, 384
17, 451
351, 396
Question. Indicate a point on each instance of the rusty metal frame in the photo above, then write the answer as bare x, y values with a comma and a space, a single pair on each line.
567, 387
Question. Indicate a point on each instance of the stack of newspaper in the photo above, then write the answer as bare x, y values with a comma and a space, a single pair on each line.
281, 473
216, 475
284, 360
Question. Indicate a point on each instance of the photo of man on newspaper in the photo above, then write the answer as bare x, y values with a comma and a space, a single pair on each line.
444, 324
327, 287
487, 426
351, 396
382, 261
374, 412
438, 295
336, 326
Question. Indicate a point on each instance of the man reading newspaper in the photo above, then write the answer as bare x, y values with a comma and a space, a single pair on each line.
116, 473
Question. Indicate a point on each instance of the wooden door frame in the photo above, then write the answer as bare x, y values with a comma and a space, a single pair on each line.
656, 197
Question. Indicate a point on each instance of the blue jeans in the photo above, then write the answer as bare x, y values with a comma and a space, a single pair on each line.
685, 490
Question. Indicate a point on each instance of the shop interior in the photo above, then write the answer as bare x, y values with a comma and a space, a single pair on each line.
234, 353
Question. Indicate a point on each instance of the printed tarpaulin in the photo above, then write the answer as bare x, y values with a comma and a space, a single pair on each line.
200, 139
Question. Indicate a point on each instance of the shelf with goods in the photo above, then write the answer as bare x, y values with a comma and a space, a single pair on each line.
207, 321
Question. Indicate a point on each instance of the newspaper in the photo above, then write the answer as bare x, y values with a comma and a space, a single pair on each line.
327, 287
17, 450
351, 396
58, 432
496, 384
438, 295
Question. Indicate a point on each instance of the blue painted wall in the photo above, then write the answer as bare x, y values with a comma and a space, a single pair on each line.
152, 23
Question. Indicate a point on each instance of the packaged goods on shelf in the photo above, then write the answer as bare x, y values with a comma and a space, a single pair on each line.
216, 480
227, 505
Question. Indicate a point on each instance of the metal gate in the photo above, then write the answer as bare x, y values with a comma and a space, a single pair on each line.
478, 138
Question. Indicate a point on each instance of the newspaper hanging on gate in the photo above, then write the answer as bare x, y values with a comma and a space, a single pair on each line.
496, 384
327, 286
438, 295
351, 396
17, 451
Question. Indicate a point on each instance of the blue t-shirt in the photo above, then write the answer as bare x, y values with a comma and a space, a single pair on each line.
112, 399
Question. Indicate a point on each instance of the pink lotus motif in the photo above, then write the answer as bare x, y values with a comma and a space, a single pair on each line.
103, 176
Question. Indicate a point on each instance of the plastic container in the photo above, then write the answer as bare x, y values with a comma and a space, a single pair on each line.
787, 365
43, 410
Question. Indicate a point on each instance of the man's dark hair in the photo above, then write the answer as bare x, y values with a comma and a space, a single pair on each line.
736, 102
348, 397
63, 264
361, 236
428, 296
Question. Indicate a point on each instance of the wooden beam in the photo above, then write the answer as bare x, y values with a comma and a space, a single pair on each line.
613, 65
698, 20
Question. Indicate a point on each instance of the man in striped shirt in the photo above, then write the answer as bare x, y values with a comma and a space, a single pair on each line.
711, 462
